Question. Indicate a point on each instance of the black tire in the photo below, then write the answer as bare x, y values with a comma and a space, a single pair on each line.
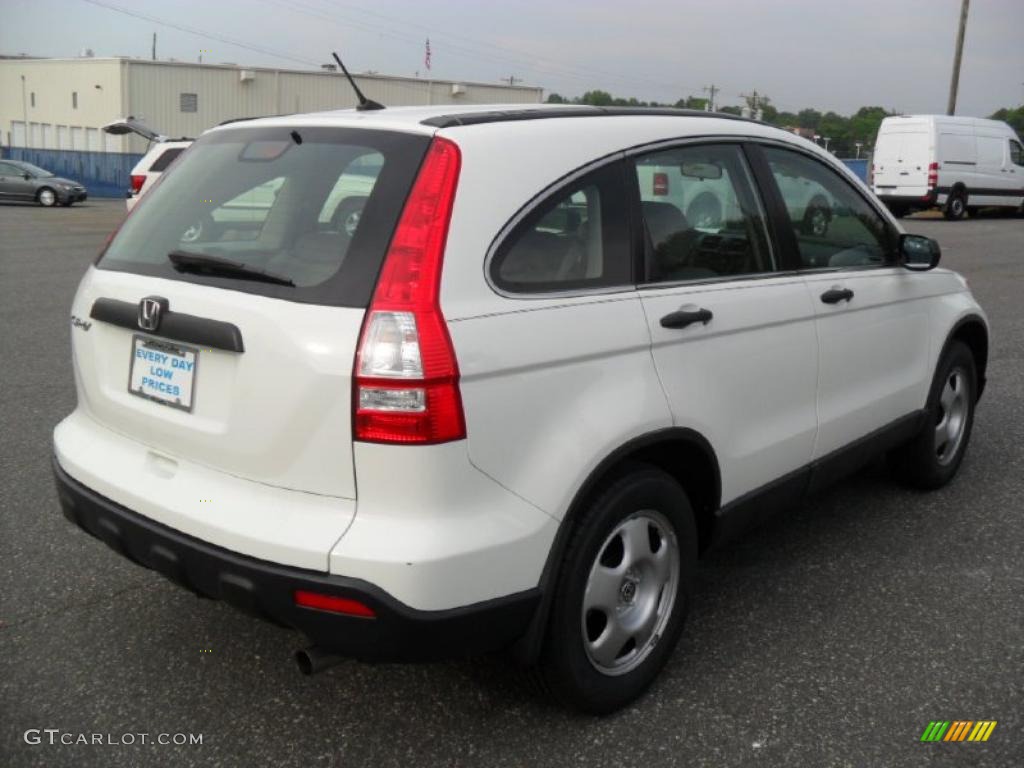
956, 205
817, 219
46, 197
922, 463
566, 669
347, 215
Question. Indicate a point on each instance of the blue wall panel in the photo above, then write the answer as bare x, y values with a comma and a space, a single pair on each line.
104, 174
859, 167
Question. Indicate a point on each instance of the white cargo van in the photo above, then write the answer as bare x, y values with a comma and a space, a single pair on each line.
958, 164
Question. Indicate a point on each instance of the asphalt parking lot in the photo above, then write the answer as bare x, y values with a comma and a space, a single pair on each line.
829, 637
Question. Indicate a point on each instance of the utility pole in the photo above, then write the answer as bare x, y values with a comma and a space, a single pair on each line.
755, 105
955, 80
710, 90
512, 80
154, 46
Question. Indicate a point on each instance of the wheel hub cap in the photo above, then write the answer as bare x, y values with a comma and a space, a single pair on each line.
630, 592
952, 416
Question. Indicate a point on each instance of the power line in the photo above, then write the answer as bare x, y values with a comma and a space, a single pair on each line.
520, 59
201, 33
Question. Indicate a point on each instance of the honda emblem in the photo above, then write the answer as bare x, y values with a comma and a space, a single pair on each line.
150, 309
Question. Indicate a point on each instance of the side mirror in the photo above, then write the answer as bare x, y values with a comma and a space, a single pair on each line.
27, 176
919, 253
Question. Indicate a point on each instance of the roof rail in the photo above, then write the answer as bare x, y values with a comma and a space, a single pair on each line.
251, 117
509, 115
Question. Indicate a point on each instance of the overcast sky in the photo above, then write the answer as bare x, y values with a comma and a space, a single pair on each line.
827, 54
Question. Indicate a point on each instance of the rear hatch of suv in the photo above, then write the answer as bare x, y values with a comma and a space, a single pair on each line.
227, 309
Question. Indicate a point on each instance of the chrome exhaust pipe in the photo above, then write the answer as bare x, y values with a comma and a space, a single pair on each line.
313, 659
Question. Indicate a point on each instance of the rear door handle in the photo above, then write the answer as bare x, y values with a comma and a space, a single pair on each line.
686, 316
835, 294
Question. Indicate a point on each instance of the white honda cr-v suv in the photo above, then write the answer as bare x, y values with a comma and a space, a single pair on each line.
512, 403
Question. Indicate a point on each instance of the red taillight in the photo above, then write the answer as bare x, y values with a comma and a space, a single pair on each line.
660, 185
333, 604
933, 175
138, 179
406, 380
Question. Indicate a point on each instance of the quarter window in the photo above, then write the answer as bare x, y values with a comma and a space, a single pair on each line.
169, 156
833, 224
1016, 152
701, 217
577, 239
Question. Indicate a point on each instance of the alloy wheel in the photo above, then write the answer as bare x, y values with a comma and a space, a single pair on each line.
952, 416
630, 592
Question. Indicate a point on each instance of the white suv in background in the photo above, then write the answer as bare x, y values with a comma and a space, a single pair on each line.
160, 154
513, 403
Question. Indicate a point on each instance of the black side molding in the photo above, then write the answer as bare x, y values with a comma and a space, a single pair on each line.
175, 326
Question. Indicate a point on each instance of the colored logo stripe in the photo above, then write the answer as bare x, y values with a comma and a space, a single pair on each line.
958, 730
935, 730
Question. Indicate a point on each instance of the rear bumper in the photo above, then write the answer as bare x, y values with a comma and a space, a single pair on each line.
918, 202
266, 590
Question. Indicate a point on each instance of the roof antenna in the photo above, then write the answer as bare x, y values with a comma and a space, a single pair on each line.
364, 103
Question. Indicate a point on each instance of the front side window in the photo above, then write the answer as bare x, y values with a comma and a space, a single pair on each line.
833, 224
577, 239
701, 217
273, 201
1016, 152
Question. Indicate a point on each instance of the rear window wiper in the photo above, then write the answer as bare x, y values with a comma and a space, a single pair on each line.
205, 264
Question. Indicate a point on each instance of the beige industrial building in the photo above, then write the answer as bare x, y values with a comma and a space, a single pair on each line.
62, 103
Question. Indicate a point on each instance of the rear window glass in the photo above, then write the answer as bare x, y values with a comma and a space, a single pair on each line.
315, 207
165, 159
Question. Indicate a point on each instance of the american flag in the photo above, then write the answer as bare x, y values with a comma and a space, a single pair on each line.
426, 56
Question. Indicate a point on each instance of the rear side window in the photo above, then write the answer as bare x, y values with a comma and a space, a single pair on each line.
575, 240
314, 206
166, 158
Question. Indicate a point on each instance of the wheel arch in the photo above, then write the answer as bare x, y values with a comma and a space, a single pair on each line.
972, 331
684, 454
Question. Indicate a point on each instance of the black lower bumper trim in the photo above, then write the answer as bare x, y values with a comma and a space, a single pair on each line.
909, 202
264, 589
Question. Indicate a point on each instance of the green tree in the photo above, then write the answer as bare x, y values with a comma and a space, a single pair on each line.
1012, 115
863, 126
808, 118
597, 98
834, 126
554, 98
785, 119
731, 110
691, 102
